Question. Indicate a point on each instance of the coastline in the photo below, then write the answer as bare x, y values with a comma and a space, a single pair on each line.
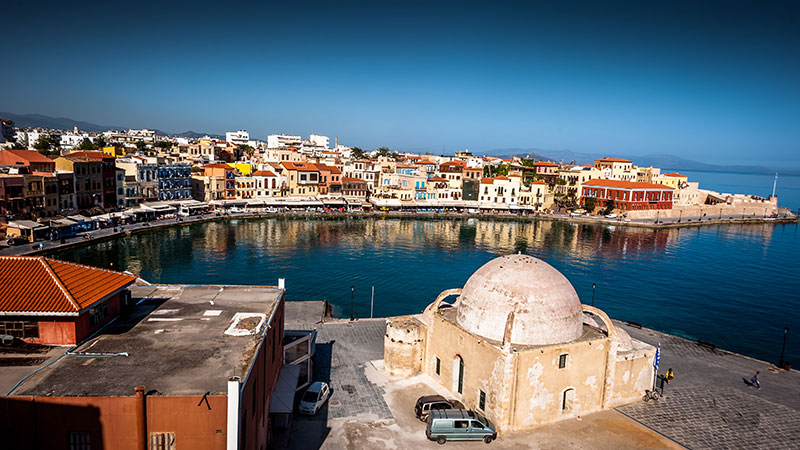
106, 234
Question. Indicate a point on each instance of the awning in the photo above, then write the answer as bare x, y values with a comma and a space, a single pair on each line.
283, 397
25, 224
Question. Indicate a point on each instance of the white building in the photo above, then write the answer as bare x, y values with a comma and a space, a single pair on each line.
283, 140
241, 137
319, 141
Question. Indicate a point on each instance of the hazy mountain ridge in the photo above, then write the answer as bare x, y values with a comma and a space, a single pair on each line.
65, 123
663, 161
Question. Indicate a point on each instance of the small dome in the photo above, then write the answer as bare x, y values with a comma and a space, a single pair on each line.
546, 308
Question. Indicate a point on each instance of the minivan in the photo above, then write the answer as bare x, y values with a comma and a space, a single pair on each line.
459, 425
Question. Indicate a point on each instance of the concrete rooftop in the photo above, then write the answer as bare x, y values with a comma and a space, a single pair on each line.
175, 343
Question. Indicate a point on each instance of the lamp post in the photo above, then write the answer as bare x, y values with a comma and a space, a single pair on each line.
594, 286
352, 291
785, 332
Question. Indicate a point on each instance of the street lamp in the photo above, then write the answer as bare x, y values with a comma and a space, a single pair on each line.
785, 332
352, 291
594, 286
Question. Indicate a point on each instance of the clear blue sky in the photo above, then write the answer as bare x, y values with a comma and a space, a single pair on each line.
713, 81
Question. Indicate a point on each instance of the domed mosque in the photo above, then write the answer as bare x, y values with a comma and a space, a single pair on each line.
518, 345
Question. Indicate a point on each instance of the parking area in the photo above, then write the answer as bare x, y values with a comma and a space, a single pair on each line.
370, 410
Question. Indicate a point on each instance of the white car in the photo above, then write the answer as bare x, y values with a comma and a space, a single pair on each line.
314, 397
236, 210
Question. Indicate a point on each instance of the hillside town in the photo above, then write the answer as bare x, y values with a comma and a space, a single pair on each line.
56, 183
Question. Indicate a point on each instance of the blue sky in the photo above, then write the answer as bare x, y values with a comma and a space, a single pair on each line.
712, 81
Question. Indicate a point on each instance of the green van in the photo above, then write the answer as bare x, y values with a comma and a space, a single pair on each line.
459, 425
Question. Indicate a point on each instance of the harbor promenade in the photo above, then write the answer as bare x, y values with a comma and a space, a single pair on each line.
104, 234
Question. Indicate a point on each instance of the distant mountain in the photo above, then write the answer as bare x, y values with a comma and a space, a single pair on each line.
64, 123
663, 161
59, 123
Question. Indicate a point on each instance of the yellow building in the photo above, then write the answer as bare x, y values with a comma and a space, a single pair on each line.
114, 151
246, 169
302, 179
518, 346
673, 180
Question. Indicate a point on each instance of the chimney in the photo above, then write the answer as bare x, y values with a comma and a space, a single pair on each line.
141, 418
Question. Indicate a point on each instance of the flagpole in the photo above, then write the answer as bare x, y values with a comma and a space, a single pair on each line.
656, 362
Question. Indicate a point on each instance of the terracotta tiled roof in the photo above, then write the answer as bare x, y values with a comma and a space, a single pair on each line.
675, 174
545, 164
613, 160
37, 284
302, 167
25, 155
263, 173
426, 162
625, 184
334, 170
454, 163
436, 179
353, 179
217, 166
539, 182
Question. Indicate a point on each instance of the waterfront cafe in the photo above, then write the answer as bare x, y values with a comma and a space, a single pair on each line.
159, 210
82, 223
62, 227
28, 229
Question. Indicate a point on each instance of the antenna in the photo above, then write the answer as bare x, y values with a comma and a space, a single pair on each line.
775, 184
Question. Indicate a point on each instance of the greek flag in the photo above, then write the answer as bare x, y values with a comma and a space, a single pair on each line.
657, 359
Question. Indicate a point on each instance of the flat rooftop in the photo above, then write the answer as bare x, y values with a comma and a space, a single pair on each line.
179, 340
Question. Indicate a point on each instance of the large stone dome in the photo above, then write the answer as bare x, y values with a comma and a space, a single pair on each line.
546, 307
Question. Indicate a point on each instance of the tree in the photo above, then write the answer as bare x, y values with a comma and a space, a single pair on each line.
357, 153
18, 146
86, 144
141, 146
589, 203
502, 170
163, 145
527, 162
384, 151
609, 207
46, 145
100, 142
248, 150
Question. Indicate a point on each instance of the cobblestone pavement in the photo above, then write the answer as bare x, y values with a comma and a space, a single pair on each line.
348, 347
701, 418
709, 404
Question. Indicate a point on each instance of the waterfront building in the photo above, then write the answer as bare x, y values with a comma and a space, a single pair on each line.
145, 175
673, 180
517, 345
364, 169
354, 188
227, 174
12, 198
174, 181
570, 180
88, 175
648, 174
51, 302
267, 184
500, 191
207, 188
330, 180
302, 179
108, 174
617, 169
628, 195
538, 194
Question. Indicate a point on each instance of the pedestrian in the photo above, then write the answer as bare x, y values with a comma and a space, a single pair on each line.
755, 380
670, 375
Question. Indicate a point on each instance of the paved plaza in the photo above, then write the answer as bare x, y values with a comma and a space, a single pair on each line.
708, 405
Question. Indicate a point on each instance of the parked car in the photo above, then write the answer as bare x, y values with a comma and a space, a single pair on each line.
459, 425
314, 397
429, 403
611, 216
17, 241
236, 210
577, 212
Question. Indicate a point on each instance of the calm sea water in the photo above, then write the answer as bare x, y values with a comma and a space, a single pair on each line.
788, 187
734, 285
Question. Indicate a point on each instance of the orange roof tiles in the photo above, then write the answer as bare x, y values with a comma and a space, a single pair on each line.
625, 184
436, 179
425, 162
302, 167
92, 155
353, 179
217, 166
613, 160
675, 174
42, 285
24, 155
263, 173
545, 164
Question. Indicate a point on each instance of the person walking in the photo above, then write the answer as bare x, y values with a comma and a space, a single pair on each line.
669, 375
755, 380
